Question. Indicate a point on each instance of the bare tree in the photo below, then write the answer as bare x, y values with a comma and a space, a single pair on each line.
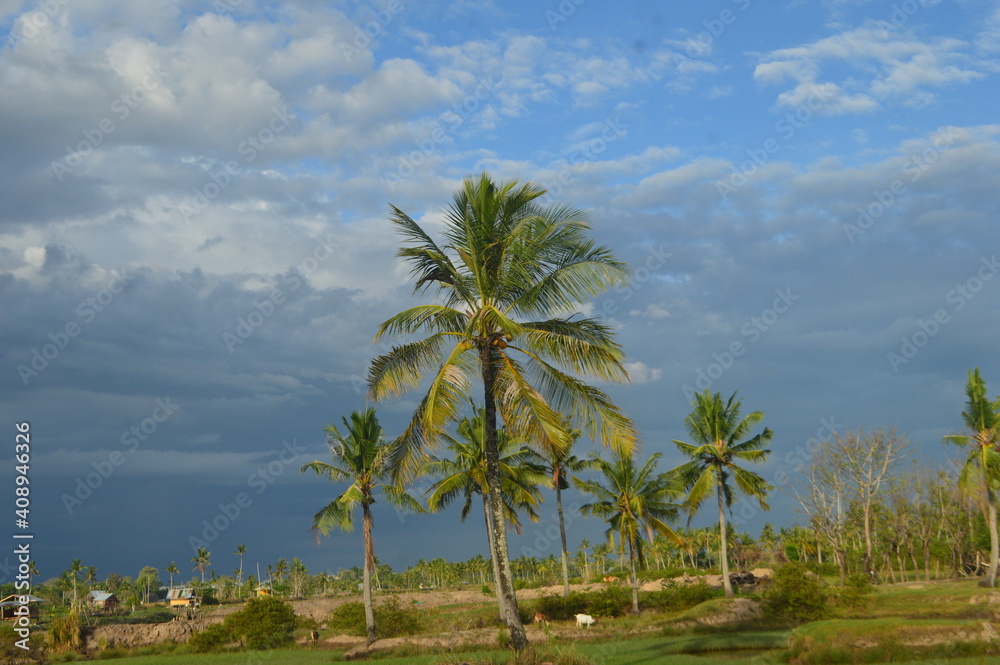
822, 496
866, 458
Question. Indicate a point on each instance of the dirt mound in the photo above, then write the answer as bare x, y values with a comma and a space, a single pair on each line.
144, 634
736, 611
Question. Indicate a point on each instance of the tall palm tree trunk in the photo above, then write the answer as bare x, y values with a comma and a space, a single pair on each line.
367, 575
635, 577
562, 535
493, 557
723, 545
991, 518
505, 586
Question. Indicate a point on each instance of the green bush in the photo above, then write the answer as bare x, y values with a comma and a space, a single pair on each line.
66, 633
794, 597
391, 619
613, 601
679, 597
213, 638
264, 623
11, 653
854, 593
563, 608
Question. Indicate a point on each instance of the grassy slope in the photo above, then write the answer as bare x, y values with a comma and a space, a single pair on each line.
905, 605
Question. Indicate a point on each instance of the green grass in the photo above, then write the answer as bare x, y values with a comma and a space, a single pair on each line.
892, 616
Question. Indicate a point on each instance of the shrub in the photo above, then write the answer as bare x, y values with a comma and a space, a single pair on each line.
679, 597
855, 591
264, 623
794, 597
563, 608
211, 639
11, 653
391, 619
613, 601
66, 633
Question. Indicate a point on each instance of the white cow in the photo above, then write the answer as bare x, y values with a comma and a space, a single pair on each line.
584, 620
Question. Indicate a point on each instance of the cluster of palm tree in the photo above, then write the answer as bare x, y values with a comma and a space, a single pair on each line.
504, 276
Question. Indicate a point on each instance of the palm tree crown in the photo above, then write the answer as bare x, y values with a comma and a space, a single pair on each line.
505, 257
465, 473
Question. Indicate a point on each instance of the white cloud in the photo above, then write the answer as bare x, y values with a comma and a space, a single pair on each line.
885, 68
641, 373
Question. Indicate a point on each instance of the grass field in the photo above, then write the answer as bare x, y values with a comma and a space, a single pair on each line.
940, 623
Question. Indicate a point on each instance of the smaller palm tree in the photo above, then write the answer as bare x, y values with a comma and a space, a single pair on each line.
980, 474
172, 569
465, 475
633, 501
201, 561
241, 549
360, 457
32, 571
75, 567
561, 463
718, 428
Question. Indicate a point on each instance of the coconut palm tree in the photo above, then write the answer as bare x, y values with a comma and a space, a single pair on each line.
75, 567
980, 474
360, 457
32, 571
201, 561
633, 501
561, 463
170, 570
717, 428
464, 476
505, 259
241, 549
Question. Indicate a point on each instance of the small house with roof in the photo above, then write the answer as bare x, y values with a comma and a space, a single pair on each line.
9, 607
185, 597
102, 600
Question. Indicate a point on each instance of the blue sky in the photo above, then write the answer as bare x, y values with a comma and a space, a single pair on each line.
195, 252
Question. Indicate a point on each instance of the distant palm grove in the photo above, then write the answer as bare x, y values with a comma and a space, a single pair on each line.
502, 365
